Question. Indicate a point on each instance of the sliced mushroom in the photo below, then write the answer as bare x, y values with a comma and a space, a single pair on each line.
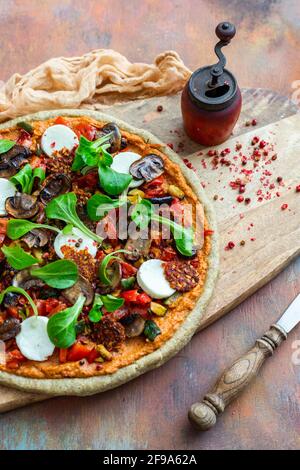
115, 140
12, 160
82, 286
138, 248
25, 280
22, 206
134, 325
114, 274
9, 329
147, 168
36, 238
161, 200
10, 299
55, 185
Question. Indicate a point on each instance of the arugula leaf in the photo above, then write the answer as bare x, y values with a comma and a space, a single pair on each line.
16, 228
103, 275
112, 303
143, 213
112, 182
60, 274
26, 177
61, 327
88, 152
99, 205
6, 145
17, 257
63, 207
95, 314
19, 290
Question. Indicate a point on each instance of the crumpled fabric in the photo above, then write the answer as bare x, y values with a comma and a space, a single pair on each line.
101, 76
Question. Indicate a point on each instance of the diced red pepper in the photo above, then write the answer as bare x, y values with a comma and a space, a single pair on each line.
127, 269
156, 182
143, 299
14, 358
130, 295
92, 356
13, 312
208, 233
63, 353
135, 297
78, 351
61, 120
87, 130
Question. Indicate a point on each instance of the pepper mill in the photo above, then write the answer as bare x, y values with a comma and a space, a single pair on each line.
211, 100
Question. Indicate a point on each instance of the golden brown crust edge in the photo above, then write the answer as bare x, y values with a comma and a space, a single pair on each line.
92, 385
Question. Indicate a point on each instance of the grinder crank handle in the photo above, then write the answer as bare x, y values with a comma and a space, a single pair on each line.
235, 379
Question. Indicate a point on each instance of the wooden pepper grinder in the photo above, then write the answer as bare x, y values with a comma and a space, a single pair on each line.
211, 100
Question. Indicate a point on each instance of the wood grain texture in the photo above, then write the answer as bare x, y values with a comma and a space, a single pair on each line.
145, 410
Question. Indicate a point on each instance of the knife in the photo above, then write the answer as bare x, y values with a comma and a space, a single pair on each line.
235, 379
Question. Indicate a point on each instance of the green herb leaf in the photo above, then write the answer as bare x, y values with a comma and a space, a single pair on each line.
112, 182
63, 207
26, 177
61, 327
6, 145
143, 213
60, 274
151, 330
16, 228
19, 290
103, 275
112, 303
100, 204
88, 153
26, 126
95, 314
17, 257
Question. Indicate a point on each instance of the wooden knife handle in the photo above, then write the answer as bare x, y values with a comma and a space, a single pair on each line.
204, 415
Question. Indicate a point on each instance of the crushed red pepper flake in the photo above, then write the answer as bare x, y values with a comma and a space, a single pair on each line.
82, 258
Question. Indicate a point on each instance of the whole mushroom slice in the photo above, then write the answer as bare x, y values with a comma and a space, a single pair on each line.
9, 329
22, 206
53, 186
25, 280
134, 325
147, 168
116, 138
36, 238
82, 286
138, 248
11, 161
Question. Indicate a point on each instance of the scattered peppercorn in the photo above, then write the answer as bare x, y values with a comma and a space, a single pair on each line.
242, 242
240, 198
229, 246
284, 207
247, 200
298, 188
216, 197
254, 122
279, 179
159, 108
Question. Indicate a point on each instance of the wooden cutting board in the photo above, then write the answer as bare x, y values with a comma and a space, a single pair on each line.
271, 234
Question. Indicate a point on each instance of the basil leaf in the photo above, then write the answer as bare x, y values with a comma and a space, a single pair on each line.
100, 204
112, 303
6, 145
61, 327
16, 228
60, 274
95, 314
26, 176
63, 207
103, 275
17, 257
112, 182
19, 290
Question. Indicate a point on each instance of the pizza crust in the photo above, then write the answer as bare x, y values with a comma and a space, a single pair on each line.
92, 385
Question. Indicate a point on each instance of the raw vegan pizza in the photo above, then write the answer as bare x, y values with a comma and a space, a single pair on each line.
93, 277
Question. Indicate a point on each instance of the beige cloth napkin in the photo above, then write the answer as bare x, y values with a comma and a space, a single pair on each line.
99, 77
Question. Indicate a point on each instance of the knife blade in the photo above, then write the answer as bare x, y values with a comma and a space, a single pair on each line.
236, 378
291, 316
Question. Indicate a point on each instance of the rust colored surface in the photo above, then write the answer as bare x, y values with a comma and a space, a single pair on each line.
150, 412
